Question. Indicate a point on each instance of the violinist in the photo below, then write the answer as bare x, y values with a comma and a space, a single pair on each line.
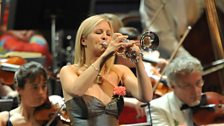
184, 76
31, 84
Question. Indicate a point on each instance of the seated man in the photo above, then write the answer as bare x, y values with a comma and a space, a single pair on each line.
176, 108
185, 78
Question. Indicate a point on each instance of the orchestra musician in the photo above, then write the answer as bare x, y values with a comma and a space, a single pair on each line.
90, 81
31, 85
184, 76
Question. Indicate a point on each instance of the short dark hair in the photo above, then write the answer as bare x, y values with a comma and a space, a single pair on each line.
29, 71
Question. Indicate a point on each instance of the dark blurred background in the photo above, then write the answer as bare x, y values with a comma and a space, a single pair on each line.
62, 18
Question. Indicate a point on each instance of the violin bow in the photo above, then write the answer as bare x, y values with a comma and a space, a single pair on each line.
173, 55
55, 115
215, 66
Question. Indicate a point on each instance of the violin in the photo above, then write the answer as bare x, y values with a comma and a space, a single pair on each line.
8, 66
161, 90
210, 110
48, 112
159, 83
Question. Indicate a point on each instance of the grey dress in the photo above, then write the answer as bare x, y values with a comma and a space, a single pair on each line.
90, 111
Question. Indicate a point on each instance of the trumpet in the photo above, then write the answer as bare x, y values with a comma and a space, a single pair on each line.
149, 41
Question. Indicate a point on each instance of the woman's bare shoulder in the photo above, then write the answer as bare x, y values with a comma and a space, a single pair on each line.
70, 67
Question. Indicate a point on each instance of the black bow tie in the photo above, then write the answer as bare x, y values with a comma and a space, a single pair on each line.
202, 102
184, 106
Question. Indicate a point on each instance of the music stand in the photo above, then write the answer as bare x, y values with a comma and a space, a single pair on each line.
6, 104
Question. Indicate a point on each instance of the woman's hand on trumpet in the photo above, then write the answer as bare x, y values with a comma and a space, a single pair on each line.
120, 45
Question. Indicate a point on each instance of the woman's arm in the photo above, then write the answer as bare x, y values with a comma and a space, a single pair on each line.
139, 87
77, 85
144, 82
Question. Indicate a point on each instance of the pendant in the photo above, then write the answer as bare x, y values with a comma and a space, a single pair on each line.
99, 79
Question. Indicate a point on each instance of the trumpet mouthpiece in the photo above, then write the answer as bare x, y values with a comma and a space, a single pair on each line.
104, 44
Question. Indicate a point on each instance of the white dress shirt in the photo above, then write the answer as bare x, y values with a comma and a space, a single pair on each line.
165, 111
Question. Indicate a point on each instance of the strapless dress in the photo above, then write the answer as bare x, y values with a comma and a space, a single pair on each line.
90, 111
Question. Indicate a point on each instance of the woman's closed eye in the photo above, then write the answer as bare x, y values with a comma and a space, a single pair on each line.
109, 33
100, 31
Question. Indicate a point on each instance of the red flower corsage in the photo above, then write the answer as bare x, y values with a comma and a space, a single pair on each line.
119, 91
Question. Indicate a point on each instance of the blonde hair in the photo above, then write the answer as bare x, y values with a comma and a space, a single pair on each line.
84, 30
115, 21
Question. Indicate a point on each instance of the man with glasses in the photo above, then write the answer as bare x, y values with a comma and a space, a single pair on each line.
184, 75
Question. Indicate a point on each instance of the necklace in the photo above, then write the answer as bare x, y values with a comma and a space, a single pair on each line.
85, 65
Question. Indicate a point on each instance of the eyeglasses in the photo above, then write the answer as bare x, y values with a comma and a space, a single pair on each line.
198, 84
